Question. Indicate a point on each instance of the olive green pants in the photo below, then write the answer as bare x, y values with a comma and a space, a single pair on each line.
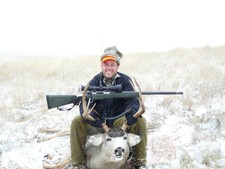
80, 130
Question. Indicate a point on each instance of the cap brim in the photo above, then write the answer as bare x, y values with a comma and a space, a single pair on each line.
108, 57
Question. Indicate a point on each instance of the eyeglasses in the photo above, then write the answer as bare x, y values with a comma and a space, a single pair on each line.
110, 66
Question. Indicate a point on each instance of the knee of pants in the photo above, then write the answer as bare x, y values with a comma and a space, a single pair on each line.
77, 121
139, 127
141, 123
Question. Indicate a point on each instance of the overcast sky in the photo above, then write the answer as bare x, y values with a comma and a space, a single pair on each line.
88, 26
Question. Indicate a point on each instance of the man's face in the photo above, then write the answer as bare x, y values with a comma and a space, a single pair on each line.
109, 68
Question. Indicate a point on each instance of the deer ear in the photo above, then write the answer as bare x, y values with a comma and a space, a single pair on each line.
96, 139
133, 139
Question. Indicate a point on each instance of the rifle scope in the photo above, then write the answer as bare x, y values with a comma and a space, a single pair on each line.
114, 88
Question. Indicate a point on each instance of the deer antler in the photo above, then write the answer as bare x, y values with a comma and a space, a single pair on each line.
87, 111
136, 87
124, 126
105, 127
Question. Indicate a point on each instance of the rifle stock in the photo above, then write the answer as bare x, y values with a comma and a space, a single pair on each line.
61, 100
54, 101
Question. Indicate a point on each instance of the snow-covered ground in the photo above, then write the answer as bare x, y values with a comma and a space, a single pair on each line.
185, 131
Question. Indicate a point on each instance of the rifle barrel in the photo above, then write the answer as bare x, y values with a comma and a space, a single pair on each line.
126, 94
160, 93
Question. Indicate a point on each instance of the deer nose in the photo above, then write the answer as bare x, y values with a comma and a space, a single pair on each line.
119, 151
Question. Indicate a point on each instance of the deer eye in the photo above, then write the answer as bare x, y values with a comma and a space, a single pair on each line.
125, 138
108, 139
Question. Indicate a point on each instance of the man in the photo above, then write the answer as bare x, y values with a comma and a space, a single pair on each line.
81, 128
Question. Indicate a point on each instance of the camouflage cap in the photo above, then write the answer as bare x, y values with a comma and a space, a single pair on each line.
114, 54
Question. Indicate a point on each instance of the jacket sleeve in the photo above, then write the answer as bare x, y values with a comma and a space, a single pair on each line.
130, 102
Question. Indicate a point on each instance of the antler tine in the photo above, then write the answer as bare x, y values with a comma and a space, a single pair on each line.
141, 109
132, 84
124, 126
105, 127
87, 111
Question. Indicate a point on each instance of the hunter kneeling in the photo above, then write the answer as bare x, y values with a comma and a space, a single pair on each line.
96, 115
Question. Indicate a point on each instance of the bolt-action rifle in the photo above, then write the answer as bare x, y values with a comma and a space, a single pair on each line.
98, 93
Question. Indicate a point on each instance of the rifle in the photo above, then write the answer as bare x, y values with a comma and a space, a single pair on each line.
98, 93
